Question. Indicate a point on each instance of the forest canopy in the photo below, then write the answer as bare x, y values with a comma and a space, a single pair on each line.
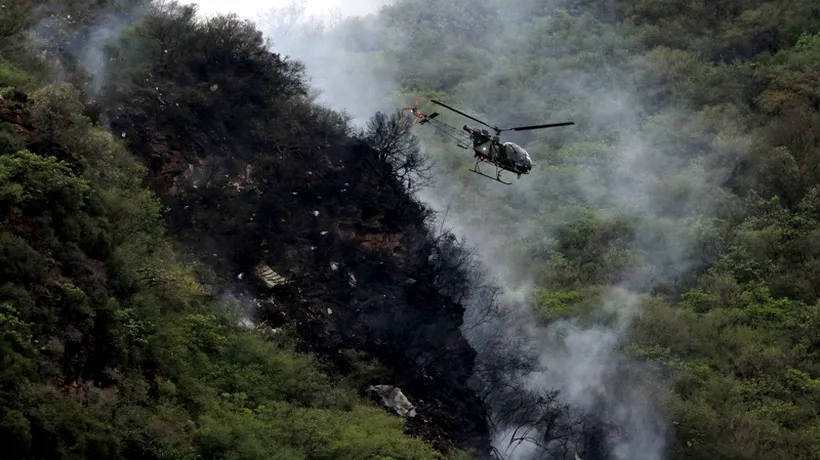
689, 180
113, 343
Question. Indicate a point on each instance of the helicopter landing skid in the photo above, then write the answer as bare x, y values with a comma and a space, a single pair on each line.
497, 173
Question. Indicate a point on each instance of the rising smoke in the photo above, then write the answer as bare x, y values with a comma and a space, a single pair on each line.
579, 359
339, 54
59, 31
354, 63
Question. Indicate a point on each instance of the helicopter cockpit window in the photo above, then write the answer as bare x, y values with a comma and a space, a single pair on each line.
517, 154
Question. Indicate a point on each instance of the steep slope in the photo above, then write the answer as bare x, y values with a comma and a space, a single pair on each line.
690, 178
111, 348
252, 174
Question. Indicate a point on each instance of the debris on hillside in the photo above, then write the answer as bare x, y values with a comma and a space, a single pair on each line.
268, 276
393, 398
351, 245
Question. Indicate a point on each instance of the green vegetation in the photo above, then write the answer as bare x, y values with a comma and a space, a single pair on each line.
691, 176
112, 346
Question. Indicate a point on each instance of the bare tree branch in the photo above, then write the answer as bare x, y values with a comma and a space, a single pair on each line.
398, 147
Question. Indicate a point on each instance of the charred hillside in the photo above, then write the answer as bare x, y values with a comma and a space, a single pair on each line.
255, 177
113, 349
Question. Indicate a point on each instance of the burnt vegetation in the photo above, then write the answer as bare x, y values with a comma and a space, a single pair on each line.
115, 344
153, 163
255, 173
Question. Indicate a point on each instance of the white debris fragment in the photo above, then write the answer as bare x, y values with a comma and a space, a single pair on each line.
239, 276
315, 213
334, 266
351, 279
393, 398
268, 276
323, 233
329, 311
295, 193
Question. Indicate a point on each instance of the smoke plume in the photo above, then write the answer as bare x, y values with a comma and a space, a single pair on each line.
604, 397
61, 32
338, 52
350, 62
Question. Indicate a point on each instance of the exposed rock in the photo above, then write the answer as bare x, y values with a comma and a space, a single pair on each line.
15, 114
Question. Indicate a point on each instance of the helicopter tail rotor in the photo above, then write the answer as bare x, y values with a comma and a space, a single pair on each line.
420, 118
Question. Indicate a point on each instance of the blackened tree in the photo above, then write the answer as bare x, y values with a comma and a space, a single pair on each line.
392, 137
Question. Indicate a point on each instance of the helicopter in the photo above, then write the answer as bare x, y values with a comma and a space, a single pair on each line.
487, 147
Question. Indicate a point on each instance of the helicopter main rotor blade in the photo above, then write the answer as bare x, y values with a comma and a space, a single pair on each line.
550, 125
462, 113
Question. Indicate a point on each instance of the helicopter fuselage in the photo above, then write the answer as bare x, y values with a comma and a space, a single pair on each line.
487, 146
508, 156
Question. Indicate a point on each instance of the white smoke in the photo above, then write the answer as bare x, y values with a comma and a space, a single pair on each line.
60, 31
345, 59
579, 359
252, 8
330, 37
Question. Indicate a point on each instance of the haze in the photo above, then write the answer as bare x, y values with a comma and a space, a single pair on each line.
250, 8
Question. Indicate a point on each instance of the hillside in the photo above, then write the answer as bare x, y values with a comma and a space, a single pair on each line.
118, 340
666, 242
648, 292
113, 349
